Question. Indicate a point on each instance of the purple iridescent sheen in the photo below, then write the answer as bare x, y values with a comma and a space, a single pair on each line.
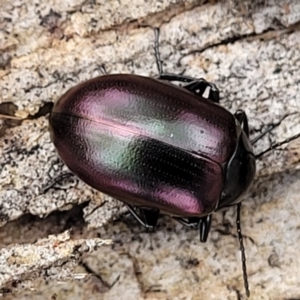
145, 142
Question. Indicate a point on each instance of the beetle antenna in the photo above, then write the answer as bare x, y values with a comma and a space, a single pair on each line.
157, 52
242, 248
271, 127
276, 145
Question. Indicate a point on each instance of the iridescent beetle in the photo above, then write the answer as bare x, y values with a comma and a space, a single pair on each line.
157, 147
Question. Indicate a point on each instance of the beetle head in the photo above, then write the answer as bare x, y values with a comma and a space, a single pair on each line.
240, 170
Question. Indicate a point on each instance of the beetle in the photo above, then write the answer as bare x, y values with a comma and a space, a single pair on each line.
158, 147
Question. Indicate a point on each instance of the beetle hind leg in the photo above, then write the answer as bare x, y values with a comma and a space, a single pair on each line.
146, 217
199, 88
194, 85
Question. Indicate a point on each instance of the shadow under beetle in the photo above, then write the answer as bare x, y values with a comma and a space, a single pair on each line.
157, 147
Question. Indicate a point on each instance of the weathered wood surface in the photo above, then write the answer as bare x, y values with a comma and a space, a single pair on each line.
250, 51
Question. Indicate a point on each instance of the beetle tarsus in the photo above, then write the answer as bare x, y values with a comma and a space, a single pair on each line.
271, 127
55, 181
146, 217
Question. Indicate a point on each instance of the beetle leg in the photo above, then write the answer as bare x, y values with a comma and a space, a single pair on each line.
197, 86
204, 227
200, 86
202, 223
190, 222
55, 181
147, 217
270, 128
194, 85
241, 116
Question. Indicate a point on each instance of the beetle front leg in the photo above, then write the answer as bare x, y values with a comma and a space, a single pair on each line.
146, 217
